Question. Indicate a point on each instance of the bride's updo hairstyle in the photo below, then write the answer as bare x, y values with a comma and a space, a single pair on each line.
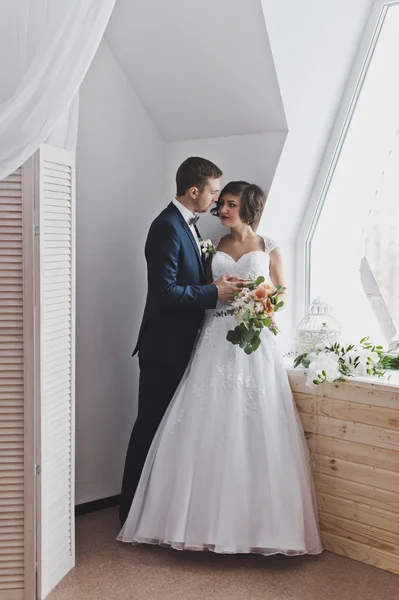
253, 200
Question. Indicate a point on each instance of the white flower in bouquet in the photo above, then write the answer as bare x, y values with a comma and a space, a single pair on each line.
240, 315
259, 308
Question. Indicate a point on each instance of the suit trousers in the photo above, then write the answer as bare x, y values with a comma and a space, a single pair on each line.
157, 386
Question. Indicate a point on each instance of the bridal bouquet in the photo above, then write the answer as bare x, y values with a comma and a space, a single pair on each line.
334, 362
254, 309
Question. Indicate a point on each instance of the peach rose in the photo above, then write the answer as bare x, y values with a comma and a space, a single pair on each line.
269, 308
266, 289
260, 293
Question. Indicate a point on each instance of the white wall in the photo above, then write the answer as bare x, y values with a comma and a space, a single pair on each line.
313, 43
120, 188
246, 157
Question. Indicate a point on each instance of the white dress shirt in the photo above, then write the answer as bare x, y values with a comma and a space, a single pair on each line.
188, 216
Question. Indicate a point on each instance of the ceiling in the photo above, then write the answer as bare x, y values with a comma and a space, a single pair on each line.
202, 69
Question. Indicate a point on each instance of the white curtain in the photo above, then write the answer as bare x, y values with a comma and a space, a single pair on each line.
46, 47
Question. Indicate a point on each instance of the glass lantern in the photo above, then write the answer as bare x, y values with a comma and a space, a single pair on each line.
317, 326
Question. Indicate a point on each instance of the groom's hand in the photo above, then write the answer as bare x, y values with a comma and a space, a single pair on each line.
228, 286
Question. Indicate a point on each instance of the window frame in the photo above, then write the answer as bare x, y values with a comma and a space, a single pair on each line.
333, 148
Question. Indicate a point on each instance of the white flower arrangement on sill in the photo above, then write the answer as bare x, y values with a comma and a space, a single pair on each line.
334, 362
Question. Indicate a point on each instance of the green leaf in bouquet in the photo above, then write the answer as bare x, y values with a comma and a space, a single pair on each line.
233, 336
278, 305
255, 343
246, 315
248, 335
279, 290
259, 280
267, 322
306, 362
248, 349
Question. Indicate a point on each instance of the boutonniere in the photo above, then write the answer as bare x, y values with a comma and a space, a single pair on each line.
207, 248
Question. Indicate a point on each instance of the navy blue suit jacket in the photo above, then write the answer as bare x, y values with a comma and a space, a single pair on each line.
177, 294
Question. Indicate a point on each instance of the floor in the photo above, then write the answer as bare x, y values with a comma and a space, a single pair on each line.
109, 570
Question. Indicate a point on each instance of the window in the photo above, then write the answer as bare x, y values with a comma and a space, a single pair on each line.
353, 244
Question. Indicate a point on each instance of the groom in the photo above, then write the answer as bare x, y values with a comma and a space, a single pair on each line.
176, 301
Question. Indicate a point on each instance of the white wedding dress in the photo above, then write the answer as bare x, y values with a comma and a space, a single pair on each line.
228, 469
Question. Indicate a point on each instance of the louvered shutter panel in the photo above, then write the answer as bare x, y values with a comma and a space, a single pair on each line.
17, 550
55, 212
37, 375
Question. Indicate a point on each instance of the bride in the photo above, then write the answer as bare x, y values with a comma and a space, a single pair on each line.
228, 469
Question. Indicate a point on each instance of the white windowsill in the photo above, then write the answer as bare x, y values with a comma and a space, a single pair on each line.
366, 381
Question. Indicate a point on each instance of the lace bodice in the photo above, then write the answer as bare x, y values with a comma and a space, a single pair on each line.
252, 264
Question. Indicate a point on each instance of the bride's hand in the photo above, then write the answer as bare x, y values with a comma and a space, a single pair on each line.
228, 286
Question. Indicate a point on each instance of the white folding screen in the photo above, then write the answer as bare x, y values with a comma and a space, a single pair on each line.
55, 351
37, 375
17, 376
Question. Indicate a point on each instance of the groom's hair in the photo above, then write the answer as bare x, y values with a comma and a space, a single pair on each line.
195, 172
